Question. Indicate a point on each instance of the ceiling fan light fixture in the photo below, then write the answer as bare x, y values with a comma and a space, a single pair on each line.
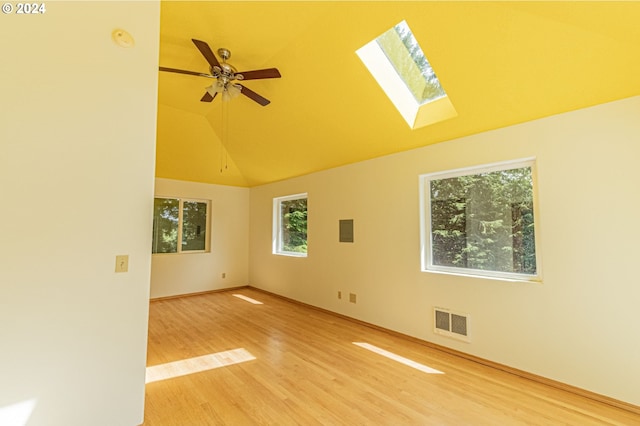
225, 74
231, 92
215, 88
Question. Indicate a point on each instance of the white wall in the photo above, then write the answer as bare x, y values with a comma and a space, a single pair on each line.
77, 140
175, 274
579, 326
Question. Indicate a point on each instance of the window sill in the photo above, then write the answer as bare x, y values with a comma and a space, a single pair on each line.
291, 254
182, 252
487, 276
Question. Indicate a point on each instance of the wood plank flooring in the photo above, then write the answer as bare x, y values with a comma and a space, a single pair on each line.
308, 371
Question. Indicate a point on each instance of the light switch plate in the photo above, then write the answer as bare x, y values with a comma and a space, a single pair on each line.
122, 263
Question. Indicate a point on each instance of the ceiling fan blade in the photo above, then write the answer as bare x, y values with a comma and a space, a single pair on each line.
254, 96
207, 97
186, 72
206, 51
258, 74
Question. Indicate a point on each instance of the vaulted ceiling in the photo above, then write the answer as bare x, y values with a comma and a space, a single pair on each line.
501, 63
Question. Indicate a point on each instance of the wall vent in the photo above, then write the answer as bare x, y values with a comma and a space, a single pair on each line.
451, 324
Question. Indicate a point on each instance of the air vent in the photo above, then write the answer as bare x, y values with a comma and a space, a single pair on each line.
451, 324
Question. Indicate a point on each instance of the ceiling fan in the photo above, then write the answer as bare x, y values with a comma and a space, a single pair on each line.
226, 76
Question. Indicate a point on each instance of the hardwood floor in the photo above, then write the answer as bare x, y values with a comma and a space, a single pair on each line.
308, 371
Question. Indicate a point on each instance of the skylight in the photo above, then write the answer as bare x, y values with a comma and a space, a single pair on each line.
406, 56
397, 62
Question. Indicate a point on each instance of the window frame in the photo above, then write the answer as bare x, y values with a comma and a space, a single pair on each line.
377, 55
426, 254
277, 232
181, 201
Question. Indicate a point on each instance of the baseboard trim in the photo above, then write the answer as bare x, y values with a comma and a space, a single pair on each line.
520, 373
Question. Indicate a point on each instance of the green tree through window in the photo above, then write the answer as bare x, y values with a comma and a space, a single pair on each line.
179, 220
294, 221
405, 54
290, 225
194, 225
165, 225
483, 221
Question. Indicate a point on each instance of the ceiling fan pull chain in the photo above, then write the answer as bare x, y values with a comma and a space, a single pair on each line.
226, 118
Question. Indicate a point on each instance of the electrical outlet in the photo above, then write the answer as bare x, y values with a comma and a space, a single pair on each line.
352, 297
339, 295
122, 263
224, 275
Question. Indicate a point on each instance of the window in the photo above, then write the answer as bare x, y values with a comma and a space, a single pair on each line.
480, 221
404, 53
180, 220
399, 65
290, 225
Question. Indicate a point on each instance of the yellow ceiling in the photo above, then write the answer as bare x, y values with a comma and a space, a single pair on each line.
501, 63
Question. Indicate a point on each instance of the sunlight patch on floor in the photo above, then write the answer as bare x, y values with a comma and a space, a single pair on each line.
248, 299
17, 414
197, 364
398, 358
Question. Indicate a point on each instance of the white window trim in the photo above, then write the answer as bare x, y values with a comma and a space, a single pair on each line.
207, 242
277, 225
425, 222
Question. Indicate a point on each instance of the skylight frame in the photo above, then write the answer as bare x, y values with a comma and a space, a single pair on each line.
398, 73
